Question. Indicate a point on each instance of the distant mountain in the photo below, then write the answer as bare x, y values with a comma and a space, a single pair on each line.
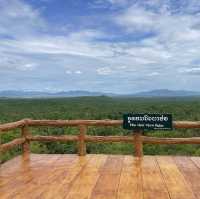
79, 93
39, 94
166, 93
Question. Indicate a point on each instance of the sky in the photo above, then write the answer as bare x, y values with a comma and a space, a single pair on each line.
118, 46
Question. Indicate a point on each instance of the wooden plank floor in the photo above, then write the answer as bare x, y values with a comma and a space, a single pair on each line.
100, 177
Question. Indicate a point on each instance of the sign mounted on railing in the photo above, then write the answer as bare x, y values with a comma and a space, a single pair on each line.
140, 121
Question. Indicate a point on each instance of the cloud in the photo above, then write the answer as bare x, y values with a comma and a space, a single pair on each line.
19, 19
104, 71
109, 4
78, 72
69, 72
190, 71
153, 74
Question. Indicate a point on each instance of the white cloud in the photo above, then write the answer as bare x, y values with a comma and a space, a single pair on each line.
26, 67
153, 74
193, 71
111, 4
69, 72
104, 71
19, 19
78, 72
137, 19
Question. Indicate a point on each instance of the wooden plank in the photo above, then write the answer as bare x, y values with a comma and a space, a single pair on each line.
63, 181
130, 185
113, 164
27, 179
153, 183
85, 182
174, 180
108, 181
196, 160
191, 173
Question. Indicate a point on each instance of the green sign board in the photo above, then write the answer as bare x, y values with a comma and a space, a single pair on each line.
140, 121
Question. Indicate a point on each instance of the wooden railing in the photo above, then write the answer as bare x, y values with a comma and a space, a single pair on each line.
136, 138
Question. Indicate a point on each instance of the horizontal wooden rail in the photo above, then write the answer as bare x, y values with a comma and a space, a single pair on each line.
11, 125
186, 124
89, 138
62, 138
63, 123
156, 140
11, 144
129, 139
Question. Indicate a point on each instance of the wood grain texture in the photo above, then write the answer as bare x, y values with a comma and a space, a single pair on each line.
176, 184
50, 176
153, 183
196, 160
130, 185
108, 181
190, 172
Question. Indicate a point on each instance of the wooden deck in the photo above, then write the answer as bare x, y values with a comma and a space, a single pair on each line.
100, 177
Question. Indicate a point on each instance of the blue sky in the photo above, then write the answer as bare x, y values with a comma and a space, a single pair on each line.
120, 46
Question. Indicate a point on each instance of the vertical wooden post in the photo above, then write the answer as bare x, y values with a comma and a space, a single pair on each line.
82, 144
26, 145
138, 143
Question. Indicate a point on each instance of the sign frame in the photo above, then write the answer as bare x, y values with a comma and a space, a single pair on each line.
148, 121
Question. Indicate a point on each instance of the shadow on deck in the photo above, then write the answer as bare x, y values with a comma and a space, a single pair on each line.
100, 177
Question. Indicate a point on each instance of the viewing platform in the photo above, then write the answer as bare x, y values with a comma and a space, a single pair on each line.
87, 176
100, 177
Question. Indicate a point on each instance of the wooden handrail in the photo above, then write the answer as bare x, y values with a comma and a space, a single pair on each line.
11, 144
137, 139
11, 125
63, 123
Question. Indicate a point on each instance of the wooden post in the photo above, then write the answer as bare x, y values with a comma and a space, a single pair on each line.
138, 143
26, 145
81, 143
